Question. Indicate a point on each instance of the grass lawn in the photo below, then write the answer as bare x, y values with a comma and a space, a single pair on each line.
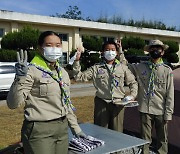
11, 120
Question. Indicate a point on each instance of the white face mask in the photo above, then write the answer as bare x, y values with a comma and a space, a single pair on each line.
110, 55
52, 53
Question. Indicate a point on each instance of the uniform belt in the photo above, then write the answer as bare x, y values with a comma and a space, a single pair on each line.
58, 119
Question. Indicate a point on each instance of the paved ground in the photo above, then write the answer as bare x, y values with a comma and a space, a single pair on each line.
77, 90
2, 102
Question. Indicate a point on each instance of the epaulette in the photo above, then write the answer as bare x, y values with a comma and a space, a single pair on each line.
29, 65
100, 63
165, 65
118, 64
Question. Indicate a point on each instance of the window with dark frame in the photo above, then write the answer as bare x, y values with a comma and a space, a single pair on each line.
63, 59
1, 32
64, 37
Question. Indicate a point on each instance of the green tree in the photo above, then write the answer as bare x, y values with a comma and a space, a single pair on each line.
8, 55
73, 12
28, 38
131, 22
171, 53
133, 42
135, 52
24, 39
92, 43
9, 41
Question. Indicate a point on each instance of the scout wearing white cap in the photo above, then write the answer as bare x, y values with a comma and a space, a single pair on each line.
156, 43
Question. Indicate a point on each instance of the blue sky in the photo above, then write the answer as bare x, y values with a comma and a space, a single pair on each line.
166, 11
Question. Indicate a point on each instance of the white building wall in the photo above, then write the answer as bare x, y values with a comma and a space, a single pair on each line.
13, 21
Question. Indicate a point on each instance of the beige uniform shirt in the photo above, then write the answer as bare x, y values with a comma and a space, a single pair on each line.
102, 80
42, 97
162, 102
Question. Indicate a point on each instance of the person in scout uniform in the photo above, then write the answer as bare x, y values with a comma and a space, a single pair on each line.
108, 79
43, 87
155, 95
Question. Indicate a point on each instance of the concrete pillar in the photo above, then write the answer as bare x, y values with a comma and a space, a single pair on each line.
14, 26
77, 38
119, 36
178, 53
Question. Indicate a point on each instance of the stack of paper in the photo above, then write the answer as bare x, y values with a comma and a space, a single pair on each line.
128, 103
85, 144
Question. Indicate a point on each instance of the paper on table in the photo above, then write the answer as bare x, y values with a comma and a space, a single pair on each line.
128, 103
85, 144
71, 61
132, 104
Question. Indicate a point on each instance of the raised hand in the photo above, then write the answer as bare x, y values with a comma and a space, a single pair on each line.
78, 55
118, 43
21, 65
128, 98
80, 49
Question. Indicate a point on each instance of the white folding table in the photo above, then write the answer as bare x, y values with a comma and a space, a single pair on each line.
114, 141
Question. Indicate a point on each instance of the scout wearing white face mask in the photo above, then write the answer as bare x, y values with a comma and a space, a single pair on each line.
52, 53
110, 55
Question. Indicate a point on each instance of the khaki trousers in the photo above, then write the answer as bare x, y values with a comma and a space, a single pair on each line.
108, 115
50, 137
147, 122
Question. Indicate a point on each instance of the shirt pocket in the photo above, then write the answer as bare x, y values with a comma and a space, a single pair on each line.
143, 80
161, 84
119, 79
48, 87
101, 79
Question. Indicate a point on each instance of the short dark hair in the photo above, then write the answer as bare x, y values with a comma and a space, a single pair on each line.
43, 35
107, 43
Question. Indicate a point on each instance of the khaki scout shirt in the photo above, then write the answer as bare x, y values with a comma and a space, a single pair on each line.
102, 80
162, 103
42, 97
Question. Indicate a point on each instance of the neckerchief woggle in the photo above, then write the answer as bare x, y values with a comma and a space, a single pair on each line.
40, 64
152, 67
114, 82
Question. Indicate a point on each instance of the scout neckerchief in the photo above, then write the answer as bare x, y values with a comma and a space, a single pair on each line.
152, 67
40, 64
111, 71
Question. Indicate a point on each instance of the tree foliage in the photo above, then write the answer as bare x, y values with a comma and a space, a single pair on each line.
11, 55
135, 52
8, 55
73, 12
140, 24
171, 53
92, 43
133, 42
9, 41
25, 39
